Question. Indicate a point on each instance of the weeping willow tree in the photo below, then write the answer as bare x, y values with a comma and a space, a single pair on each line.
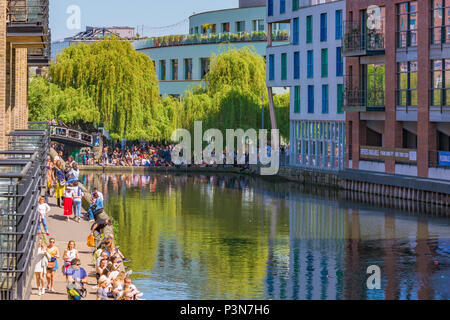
233, 93
47, 101
121, 82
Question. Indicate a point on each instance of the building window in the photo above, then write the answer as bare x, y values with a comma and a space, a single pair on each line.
407, 83
270, 8
340, 98
225, 27
310, 64
174, 64
441, 22
204, 65
338, 24
323, 27
296, 99
162, 70
407, 24
310, 99
187, 69
339, 62
240, 26
295, 5
324, 62
296, 65
325, 98
258, 25
282, 6
196, 30
440, 70
283, 66
296, 32
271, 67
309, 29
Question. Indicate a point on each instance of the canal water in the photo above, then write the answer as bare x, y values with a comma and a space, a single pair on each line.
239, 237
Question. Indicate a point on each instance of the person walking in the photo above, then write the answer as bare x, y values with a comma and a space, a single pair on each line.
52, 266
68, 201
40, 269
60, 185
76, 278
43, 210
69, 254
77, 201
50, 178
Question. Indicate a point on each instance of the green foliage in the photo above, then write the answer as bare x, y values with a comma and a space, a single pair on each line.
48, 101
121, 82
235, 89
109, 82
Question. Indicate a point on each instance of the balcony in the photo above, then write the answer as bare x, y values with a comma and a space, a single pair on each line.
27, 23
359, 41
356, 99
215, 38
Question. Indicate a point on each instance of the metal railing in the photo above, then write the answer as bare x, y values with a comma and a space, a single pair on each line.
366, 99
71, 134
28, 12
359, 40
22, 177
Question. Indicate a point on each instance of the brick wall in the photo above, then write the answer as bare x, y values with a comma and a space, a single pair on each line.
2, 74
20, 108
426, 132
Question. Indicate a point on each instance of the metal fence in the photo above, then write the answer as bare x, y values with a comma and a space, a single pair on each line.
22, 176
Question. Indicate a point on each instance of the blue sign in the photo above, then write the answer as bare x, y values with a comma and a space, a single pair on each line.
444, 158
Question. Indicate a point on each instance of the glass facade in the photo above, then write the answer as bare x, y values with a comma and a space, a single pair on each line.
440, 77
323, 27
318, 144
407, 24
407, 83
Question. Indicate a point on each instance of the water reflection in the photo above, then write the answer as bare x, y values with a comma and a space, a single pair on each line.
230, 237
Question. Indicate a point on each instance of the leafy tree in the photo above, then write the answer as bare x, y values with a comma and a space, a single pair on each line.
121, 82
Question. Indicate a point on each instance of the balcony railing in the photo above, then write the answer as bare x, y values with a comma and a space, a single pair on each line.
192, 39
356, 99
28, 12
360, 41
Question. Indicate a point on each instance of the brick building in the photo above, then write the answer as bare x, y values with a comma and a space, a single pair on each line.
397, 86
24, 42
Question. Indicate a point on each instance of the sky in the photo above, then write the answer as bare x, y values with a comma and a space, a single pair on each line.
152, 15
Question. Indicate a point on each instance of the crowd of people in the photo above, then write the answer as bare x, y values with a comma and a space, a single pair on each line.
113, 282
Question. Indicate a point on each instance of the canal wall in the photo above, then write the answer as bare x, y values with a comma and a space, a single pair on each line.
428, 191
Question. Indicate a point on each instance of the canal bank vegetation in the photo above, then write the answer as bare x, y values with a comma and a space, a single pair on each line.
110, 83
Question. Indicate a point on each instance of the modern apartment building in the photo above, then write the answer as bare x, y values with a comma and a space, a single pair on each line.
312, 66
397, 86
24, 42
183, 60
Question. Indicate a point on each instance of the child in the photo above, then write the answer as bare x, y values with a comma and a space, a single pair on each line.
43, 209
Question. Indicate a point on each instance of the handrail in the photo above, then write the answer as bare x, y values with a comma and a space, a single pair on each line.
67, 132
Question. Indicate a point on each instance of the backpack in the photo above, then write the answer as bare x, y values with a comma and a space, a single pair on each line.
76, 291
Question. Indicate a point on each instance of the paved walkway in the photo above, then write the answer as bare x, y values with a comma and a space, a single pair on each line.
63, 232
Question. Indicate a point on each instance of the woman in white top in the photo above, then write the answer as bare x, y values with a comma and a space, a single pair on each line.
40, 268
69, 254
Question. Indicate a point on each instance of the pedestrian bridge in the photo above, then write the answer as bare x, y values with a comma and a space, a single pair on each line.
72, 137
